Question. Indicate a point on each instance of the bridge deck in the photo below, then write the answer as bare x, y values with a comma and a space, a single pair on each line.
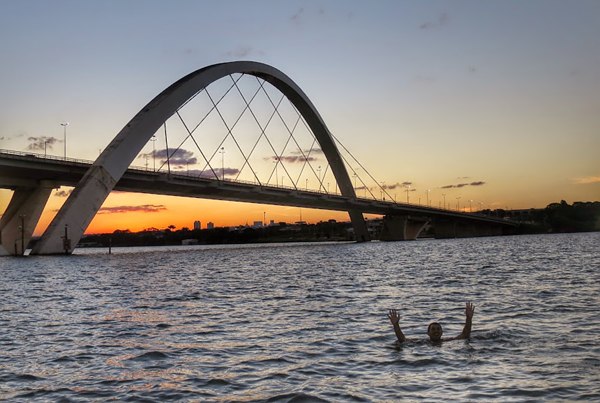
27, 170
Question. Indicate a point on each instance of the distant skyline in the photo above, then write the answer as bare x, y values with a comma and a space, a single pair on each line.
495, 102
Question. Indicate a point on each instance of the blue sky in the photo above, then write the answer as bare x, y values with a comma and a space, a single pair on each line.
505, 92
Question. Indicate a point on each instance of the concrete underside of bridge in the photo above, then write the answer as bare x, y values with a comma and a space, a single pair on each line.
402, 228
462, 229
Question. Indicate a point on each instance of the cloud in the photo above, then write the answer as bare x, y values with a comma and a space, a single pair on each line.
244, 51
462, 185
39, 143
442, 20
178, 157
305, 152
63, 193
588, 179
145, 208
296, 18
297, 158
396, 185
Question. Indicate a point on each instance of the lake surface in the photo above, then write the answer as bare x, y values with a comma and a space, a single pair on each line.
305, 322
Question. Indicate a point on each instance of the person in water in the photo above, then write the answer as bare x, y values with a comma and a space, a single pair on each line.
434, 331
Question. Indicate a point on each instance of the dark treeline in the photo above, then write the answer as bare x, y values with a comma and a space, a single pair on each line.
556, 217
322, 231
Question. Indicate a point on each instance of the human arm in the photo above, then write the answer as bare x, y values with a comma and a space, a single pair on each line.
395, 319
469, 311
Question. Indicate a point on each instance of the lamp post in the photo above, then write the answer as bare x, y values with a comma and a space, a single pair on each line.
444, 195
222, 151
470, 206
64, 125
153, 140
480, 206
427, 193
45, 144
319, 175
407, 189
306, 184
355, 175
276, 173
458, 204
383, 190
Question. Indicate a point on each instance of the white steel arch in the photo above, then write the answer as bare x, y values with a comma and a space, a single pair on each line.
72, 220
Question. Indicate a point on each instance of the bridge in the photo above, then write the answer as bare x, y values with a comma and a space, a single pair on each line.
32, 176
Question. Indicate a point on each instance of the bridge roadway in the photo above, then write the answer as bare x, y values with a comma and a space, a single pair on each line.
27, 170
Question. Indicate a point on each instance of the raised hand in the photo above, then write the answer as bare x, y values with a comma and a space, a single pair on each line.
469, 310
394, 317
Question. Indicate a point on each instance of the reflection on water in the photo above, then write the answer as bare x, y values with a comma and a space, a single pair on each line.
294, 321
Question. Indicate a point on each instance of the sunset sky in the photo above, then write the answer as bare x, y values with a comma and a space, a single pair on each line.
492, 101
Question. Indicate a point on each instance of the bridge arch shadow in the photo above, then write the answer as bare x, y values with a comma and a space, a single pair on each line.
90, 193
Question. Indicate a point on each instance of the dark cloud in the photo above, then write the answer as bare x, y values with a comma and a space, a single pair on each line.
179, 157
462, 185
406, 183
306, 152
293, 159
145, 208
63, 193
38, 143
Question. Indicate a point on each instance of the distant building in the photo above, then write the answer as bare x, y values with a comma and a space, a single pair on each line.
272, 223
257, 224
210, 225
197, 225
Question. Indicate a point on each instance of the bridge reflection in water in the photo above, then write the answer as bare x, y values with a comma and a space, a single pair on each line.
32, 178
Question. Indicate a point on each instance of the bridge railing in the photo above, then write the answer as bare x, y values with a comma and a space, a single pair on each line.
183, 175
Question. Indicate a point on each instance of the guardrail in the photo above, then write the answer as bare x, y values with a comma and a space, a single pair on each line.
180, 175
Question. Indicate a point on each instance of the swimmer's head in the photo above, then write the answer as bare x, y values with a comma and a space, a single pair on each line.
434, 331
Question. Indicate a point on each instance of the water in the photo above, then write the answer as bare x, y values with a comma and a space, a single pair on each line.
305, 322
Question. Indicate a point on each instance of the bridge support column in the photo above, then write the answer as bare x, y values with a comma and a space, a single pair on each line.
20, 219
402, 228
69, 224
361, 232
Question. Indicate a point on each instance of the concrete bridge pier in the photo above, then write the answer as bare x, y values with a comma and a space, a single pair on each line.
20, 219
402, 228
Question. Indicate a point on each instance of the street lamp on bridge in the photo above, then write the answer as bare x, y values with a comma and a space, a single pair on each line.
407, 190
458, 204
153, 140
444, 196
222, 151
64, 125
427, 193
